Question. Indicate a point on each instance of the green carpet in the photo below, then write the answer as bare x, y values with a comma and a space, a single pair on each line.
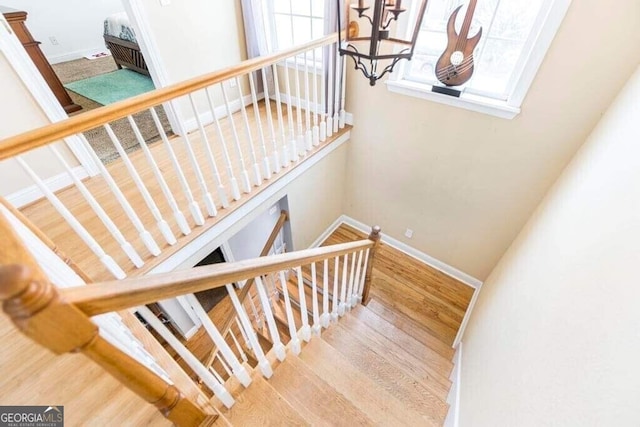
112, 87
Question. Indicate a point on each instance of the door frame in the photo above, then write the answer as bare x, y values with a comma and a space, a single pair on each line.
26, 70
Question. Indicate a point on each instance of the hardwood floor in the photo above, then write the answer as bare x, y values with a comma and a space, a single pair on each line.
44, 216
402, 285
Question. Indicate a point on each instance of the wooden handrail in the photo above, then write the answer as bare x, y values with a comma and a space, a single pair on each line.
39, 137
121, 294
226, 324
37, 309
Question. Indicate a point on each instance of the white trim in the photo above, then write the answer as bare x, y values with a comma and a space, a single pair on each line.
326, 233
420, 256
31, 194
467, 101
191, 332
467, 316
76, 54
147, 42
214, 236
24, 67
453, 398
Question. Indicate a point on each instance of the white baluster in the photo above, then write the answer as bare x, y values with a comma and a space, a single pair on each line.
263, 363
257, 176
272, 130
278, 347
308, 135
323, 96
336, 304
300, 137
293, 147
196, 213
266, 166
202, 183
105, 259
294, 344
343, 84
145, 236
244, 174
177, 213
192, 361
100, 212
356, 284
209, 153
314, 301
239, 371
330, 90
235, 190
285, 150
243, 333
224, 365
151, 204
336, 96
362, 278
305, 329
351, 278
343, 287
316, 129
216, 375
325, 319
241, 352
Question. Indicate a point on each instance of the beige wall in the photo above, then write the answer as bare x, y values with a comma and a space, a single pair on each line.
20, 112
554, 338
466, 182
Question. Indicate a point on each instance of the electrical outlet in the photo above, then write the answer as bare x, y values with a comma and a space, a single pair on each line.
408, 233
53, 40
165, 2
232, 83
273, 210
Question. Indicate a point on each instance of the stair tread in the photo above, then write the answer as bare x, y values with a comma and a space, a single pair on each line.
413, 367
381, 404
261, 404
403, 339
411, 327
318, 402
393, 378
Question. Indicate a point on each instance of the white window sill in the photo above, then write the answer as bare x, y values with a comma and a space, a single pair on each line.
467, 101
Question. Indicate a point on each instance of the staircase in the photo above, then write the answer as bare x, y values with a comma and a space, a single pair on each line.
362, 370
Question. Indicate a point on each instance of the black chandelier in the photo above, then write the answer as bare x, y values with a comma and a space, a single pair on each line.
381, 46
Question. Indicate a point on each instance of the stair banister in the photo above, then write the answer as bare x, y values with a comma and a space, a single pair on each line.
37, 309
131, 292
374, 237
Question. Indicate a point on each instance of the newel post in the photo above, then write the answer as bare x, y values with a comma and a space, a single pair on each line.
37, 309
374, 236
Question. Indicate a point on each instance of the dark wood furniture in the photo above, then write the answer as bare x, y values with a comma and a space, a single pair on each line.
16, 19
126, 53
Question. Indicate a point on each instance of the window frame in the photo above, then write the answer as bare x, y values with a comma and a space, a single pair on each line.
544, 30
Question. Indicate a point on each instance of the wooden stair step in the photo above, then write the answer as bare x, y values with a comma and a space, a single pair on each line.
405, 341
261, 405
411, 327
412, 366
380, 405
392, 378
312, 397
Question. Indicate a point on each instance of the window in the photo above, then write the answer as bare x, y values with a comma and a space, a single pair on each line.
294, 22
516, 35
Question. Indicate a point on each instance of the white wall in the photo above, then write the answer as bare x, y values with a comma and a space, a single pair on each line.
555, 336
467, 182
76, 24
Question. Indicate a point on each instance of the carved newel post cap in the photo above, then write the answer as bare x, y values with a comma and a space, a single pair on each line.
375, 232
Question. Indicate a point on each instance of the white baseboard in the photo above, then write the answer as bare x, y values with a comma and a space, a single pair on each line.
420, 256
453, 399
31, 194
70, 56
